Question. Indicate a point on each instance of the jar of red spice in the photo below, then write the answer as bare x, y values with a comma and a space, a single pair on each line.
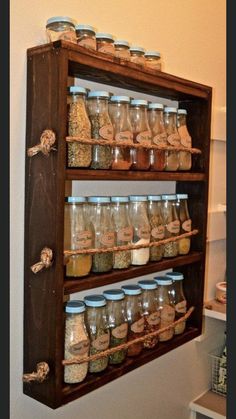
105, 43
137, 55
142, 134
122, 50
159, 136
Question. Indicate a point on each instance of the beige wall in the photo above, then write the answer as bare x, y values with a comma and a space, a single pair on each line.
190, 34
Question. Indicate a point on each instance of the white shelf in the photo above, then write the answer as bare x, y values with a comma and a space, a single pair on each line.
215, 310
209, 404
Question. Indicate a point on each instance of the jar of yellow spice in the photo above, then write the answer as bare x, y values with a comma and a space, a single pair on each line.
77, 235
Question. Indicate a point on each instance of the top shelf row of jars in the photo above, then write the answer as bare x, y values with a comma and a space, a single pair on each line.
64, 27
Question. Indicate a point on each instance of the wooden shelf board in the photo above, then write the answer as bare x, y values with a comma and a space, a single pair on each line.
90, 174
71, 392
217, 310
210, 404
98, 280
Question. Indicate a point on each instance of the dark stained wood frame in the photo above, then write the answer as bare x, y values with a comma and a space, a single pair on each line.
48, 70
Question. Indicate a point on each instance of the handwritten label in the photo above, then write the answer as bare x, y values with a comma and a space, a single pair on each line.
173, 227
125, 234
181, 307
173, 139
187, 225
80, 348
160, 139
108, 239
102, 342
144, 233
124, 136
106, 132
144, 137
83, 239
158, 232
154, 318
120, 332
167, 314
138, 326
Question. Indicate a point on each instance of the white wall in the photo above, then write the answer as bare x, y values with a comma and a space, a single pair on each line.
190, 34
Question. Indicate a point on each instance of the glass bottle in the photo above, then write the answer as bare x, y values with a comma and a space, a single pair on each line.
76, 341
104, 232
157, 226
86, 36
117, 323
153, 60
133, 311
122, 49
159, 136
60, 27
185, 222
98, 328
101, 128
150, 312
171, 223
79, 155
173, 138
137, 55
105, 43
141, 228
165, 306
78, 234
142, 134
178, 299
119, 113
185, 157
123, 231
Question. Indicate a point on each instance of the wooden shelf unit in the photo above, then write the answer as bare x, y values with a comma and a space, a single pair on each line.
48, 69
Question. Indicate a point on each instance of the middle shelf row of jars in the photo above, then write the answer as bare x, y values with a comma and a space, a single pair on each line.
105, 222
99, 115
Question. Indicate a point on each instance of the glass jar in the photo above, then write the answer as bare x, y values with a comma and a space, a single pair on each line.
120, 118
171, 224
122, 50
137, 55
76, 341
185, 157
78, 234
173, 138
98, 328
117, 323
150, 312
86, 36
142, 134
60, 27
165, 306
105, 43
157, 226
133, 311
79, 155
159, 136
104, 232
141, 229
123, 231
153, 60
178, 299
185, 222
101, 128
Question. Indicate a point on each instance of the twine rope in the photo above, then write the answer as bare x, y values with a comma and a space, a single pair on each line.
130, 246
77, 360
40, 375
45, 260
47, 140
128, 144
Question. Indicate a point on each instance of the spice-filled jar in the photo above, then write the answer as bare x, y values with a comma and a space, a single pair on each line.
165, 306
153, 60
137, 55
120, 118
185, 157
123, 231
185, 222
159, 136
79, 155
105, 43
104, 232
98, 329
101, 128
117, 323
150, 312
173, 138
133, 311
86, 36
76, 341
122, 49
142, 134
157, 226
78, 235
171, 224
60, 27
178, 299
141, 228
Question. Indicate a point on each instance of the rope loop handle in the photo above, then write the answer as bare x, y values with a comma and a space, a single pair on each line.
45, 260
47, 139
40, 375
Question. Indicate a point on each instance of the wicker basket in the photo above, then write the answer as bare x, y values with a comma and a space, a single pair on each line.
219, 374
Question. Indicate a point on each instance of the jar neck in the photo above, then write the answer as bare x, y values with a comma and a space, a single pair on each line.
169, 211
181, 120
97, 105
155, 118
139, 118
170, 122
183, 210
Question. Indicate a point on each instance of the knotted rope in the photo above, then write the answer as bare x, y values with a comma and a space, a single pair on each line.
47, 140
45, 260
40, 375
